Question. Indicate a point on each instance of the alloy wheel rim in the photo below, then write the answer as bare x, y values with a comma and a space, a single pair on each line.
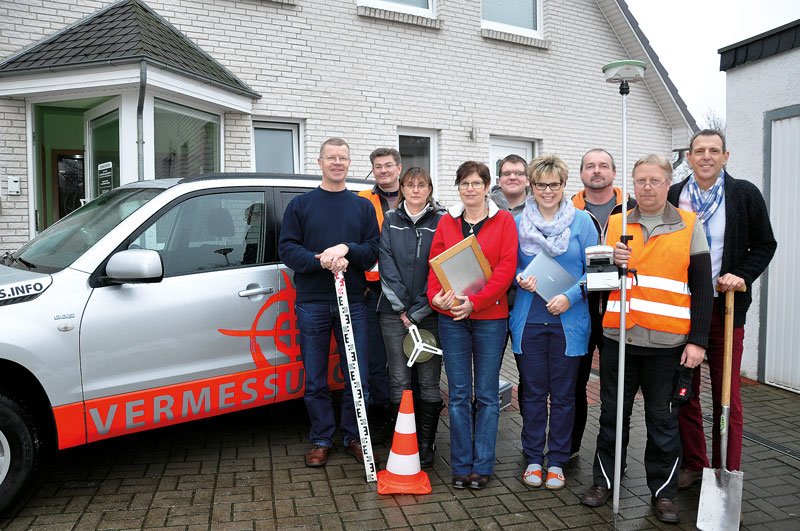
5, 457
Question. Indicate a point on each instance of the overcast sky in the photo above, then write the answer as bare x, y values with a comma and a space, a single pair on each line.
686, 35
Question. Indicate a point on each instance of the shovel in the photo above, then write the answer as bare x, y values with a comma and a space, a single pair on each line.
721, 491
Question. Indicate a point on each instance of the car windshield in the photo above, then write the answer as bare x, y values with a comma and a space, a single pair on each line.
61, 244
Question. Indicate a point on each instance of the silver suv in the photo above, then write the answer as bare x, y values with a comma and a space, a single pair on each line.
157, 303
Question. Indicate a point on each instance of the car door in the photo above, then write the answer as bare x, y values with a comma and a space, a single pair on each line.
202, 340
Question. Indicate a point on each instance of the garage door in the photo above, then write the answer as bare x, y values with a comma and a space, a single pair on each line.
782, 364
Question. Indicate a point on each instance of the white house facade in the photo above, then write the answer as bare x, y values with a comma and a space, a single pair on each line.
94, 94
763, 133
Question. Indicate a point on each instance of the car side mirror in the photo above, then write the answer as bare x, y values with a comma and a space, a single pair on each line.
135, 266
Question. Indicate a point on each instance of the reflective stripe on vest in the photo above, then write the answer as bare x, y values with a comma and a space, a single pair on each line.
373, 275
661, 299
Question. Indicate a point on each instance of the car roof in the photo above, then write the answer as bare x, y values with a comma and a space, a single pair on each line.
300, 179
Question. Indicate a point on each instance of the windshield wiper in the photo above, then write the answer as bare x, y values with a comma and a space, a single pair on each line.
9, 259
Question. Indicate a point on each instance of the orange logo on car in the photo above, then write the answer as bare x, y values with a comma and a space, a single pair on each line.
285, 327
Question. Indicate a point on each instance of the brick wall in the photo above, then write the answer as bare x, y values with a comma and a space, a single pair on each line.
362, 77
14, 228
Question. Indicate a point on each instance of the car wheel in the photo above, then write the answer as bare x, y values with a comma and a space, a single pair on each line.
19, 450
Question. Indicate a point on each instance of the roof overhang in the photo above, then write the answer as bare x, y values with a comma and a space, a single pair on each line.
656, 78
72, 82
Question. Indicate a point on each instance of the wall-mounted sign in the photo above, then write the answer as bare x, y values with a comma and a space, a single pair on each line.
105, 174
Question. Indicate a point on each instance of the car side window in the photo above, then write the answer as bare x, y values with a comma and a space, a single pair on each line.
208, 232
282, 198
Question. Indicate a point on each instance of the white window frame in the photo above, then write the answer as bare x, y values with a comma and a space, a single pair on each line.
297, 128
149, 125
433, 135
513, 144
401, 8
517, 30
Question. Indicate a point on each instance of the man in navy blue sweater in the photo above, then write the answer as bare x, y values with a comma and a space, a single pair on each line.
325, 231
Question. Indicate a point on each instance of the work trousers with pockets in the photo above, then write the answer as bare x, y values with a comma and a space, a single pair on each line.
652, 372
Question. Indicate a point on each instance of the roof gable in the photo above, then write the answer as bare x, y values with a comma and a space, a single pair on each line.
657, 80
125, 32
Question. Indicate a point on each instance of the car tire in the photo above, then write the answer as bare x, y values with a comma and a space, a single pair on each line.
19, 450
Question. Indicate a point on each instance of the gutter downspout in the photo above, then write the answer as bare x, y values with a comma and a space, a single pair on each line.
140, 119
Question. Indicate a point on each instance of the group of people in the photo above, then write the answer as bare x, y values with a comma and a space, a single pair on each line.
708, 231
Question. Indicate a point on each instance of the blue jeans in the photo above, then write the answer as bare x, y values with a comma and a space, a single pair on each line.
315, 320
378, 369
468, 343
546, 371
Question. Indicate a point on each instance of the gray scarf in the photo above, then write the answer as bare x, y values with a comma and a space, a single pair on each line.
536, 234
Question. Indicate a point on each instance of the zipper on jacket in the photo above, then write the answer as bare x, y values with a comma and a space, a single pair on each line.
419, 240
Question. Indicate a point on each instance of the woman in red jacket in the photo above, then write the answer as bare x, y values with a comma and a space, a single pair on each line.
472, 328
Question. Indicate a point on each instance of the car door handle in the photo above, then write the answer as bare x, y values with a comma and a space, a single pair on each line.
256, 291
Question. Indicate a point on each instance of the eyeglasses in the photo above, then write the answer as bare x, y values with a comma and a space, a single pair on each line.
654, 183
416, 186
331, 159
475, 185
387, 166
544, 186
510, 173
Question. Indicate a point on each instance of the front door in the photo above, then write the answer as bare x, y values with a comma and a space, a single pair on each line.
69, 190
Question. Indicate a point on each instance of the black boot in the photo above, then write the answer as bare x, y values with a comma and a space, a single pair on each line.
391, 421
380, 424
426, 434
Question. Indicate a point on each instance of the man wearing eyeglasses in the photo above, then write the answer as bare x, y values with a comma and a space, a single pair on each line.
742, 244
599, 198
386, 168
668, 313
512, 189
315, 241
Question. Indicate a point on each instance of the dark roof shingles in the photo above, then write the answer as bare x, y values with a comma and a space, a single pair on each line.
127, 30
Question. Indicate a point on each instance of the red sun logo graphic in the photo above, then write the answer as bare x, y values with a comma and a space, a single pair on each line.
283, 333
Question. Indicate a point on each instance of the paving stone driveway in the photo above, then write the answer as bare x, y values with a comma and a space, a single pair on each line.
245, 471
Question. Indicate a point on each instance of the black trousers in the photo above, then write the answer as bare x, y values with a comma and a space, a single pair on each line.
652, 371
585, 370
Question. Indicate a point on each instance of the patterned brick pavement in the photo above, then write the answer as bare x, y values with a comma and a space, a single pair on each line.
245, 471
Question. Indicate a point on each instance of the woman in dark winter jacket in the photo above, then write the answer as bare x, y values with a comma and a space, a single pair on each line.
405, 244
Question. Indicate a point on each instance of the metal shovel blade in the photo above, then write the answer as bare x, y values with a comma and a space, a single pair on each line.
720, 500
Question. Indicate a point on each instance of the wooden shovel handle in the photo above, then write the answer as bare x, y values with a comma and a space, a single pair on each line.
725, 398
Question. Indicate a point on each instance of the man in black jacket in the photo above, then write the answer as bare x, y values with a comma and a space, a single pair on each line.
742, 244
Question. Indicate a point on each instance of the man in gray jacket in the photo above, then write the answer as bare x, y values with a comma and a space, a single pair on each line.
512, 189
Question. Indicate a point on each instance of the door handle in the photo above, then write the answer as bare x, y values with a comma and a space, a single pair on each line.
256, 291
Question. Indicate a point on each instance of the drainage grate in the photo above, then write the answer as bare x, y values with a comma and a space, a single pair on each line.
789, 452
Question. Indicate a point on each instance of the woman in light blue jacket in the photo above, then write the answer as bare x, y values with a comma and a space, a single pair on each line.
548, 337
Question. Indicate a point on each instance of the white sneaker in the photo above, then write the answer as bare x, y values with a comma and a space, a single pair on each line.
555, 478
533, 476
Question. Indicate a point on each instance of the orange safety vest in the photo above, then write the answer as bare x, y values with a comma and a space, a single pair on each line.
660, 300
373, 275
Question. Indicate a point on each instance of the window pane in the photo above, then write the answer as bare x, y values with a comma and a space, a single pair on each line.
209, 232
520, 13
413, 3
105, 152
186, 141
274, 150
415, 151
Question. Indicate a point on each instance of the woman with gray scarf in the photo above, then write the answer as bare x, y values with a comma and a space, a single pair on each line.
548, 337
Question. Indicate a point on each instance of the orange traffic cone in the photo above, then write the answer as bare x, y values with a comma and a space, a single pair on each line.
403, 474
